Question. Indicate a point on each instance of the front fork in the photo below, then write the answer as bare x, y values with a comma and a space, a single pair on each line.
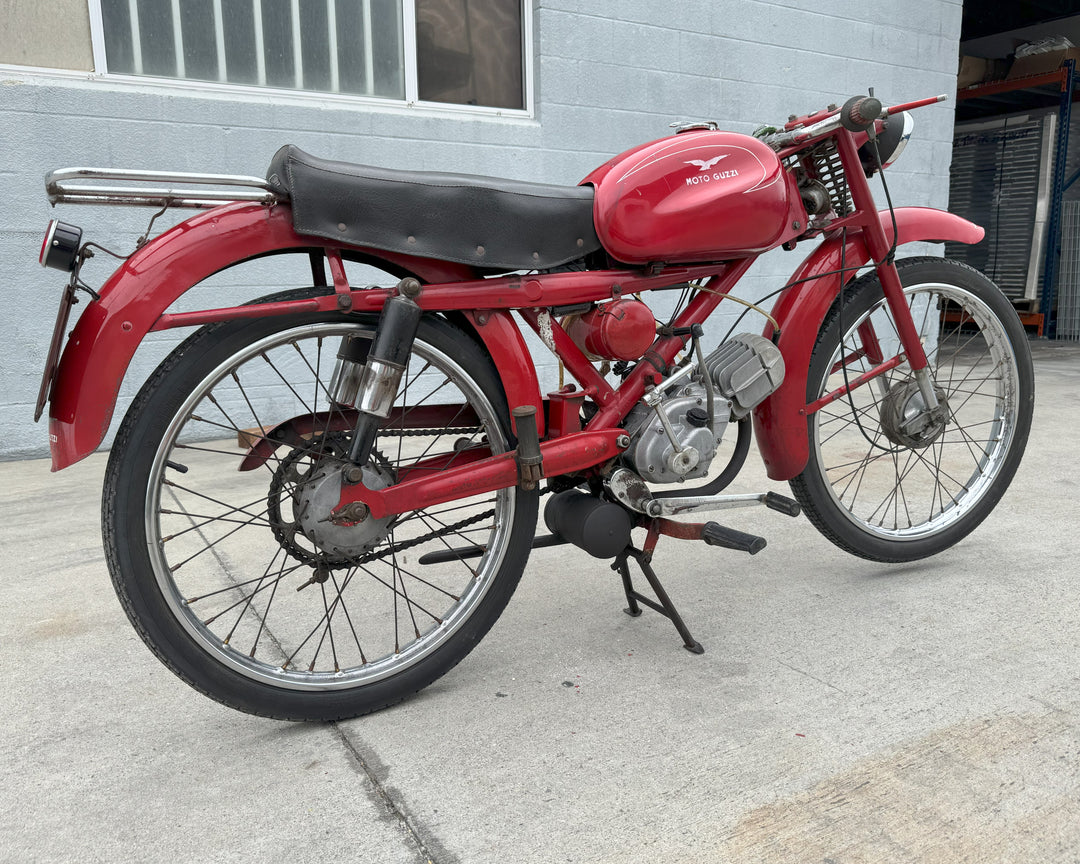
881, 251
909, 335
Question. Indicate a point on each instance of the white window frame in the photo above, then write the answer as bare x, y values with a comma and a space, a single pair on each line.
409, 59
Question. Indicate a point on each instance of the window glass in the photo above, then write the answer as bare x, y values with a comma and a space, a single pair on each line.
328, 46
469, 52
156, 37
116, 24
199, 40
315, 47
238, 20
369, 49
277, 47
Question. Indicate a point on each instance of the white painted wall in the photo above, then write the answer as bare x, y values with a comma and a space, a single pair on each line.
606, 79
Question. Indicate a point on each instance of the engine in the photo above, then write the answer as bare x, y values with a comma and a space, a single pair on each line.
652, 453
672, 435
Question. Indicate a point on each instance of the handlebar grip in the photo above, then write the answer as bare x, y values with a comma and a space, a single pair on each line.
780, 140
859, 113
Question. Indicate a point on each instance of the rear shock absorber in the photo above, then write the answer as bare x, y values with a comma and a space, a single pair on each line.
386, 361
351, 357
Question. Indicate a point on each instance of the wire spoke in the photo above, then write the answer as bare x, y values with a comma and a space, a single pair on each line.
327, 632
211, 544
232, 427
244, 598
228, 636
288, 384
348, 617
398, 575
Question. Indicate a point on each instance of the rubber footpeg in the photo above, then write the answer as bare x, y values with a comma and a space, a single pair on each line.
781, 504
729, 538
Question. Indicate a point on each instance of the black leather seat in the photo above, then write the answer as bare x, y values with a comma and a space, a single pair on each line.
483, 221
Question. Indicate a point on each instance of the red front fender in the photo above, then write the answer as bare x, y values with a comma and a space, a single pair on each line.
87, 381
780, 421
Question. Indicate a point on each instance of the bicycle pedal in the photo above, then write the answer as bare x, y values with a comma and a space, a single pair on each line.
729, 538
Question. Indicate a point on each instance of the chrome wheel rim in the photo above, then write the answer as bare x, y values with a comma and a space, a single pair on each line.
232, 583
904, 493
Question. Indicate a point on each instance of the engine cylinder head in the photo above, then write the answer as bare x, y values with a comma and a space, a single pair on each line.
746, 370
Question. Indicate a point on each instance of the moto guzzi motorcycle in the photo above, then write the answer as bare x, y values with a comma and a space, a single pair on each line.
323, 499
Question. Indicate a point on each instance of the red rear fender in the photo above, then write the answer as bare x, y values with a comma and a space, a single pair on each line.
97, 355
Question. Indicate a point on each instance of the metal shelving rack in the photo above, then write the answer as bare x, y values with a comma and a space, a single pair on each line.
1018, 94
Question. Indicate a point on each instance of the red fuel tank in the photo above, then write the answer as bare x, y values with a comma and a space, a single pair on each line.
698, 196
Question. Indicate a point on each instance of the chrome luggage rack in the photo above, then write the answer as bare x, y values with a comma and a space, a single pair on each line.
63, 187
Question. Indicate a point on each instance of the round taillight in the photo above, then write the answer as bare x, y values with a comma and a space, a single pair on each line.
60, 248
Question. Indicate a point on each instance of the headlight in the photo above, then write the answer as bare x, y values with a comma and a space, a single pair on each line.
60, 249
891, 141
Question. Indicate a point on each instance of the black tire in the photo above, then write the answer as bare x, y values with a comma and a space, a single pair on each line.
876, 484
210, 562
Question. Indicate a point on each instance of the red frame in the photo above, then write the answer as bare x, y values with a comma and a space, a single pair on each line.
133, 302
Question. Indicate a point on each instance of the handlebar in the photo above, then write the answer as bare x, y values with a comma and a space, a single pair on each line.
858, 114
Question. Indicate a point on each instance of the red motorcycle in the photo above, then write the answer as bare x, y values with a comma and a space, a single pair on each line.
323, 499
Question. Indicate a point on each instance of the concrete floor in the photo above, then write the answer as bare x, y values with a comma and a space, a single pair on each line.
843, 711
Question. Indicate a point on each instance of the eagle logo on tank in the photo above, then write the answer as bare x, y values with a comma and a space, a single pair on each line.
703, 165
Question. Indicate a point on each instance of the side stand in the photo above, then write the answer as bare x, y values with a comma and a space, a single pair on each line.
665, 607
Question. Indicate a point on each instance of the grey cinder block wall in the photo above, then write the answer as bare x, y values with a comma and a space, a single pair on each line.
605, 79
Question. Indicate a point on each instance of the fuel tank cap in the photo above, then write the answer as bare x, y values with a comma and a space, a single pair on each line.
694, 126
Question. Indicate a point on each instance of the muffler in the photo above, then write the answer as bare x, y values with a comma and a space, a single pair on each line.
599, 527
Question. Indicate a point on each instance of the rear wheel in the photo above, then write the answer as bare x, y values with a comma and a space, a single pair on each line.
886, 479
216, 519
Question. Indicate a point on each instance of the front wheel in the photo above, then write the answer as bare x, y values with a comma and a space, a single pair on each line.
887, 479
217, 528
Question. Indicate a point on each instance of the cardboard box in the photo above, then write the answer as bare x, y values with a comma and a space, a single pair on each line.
980, 70
1039, 64
972, 70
